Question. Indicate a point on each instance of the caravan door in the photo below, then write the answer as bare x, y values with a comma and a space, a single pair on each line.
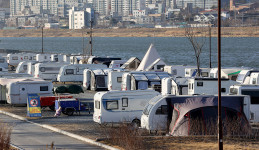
23, 94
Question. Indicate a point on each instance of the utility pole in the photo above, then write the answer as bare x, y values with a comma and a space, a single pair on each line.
42, 39
220, 133
210, 42
91, 39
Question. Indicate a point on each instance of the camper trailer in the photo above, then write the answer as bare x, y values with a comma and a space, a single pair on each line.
177, 70
14, 59
96, 79
244, 76
139, 80
48, 70
74, 72
121, 106
31, 68
174, 86
157, 65
114, 80
132, 64
208, 85
228, 73
253, 92
117, 63
43, 57
101, 60
18, 91
162, 111
57, 58
23, 67
193, 72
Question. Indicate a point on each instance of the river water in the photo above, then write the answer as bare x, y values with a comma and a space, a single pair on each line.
236, 52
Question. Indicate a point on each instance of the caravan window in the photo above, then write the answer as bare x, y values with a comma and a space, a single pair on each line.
160, 67
111, 105
199, 83
44, 88
25, 57
162, 110
223, 90
254, 81
100, 81
15, 58
124, 102
139, 77
1, 69
204, 74
119, 79
34, 57
77, 69
42, 69
69, 71
254, 95
97, 104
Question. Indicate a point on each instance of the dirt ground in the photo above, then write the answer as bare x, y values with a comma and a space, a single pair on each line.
134, 32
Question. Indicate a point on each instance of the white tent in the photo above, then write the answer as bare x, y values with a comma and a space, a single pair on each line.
150, 56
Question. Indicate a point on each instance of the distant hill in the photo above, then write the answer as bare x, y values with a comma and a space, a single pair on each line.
4, 3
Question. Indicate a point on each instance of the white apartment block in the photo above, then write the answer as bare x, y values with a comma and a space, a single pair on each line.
117, 7
80, 19
129, 6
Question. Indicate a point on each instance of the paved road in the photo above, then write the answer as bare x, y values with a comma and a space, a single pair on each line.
30, 137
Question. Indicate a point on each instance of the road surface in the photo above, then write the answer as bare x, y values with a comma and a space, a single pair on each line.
30, 137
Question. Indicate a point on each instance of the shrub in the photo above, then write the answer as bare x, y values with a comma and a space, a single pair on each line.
5, 136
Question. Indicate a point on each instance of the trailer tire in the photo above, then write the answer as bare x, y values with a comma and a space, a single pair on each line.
69, 111
135, 123
12, 68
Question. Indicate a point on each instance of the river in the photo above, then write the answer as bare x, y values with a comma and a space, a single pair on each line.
236, 52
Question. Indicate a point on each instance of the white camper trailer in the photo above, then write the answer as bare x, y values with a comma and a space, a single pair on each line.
244, 76
14, 59
208, 86
114, 80
48, 70
57, 57
254, 78
155, 114
174, 86
74, 72
43, 57
121, 106
157, 65
193, 72
177, 70
141, 80
31, 68
131, 64
117, 63
23, 67
253, 92
96, 79
18, 91
228, 73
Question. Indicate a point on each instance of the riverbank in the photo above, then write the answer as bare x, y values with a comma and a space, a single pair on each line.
134, 32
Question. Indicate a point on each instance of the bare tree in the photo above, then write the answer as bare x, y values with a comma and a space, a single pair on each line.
197, 37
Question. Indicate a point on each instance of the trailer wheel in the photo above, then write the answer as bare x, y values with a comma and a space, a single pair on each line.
12, 68
52, 107
69, 111
135, 123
